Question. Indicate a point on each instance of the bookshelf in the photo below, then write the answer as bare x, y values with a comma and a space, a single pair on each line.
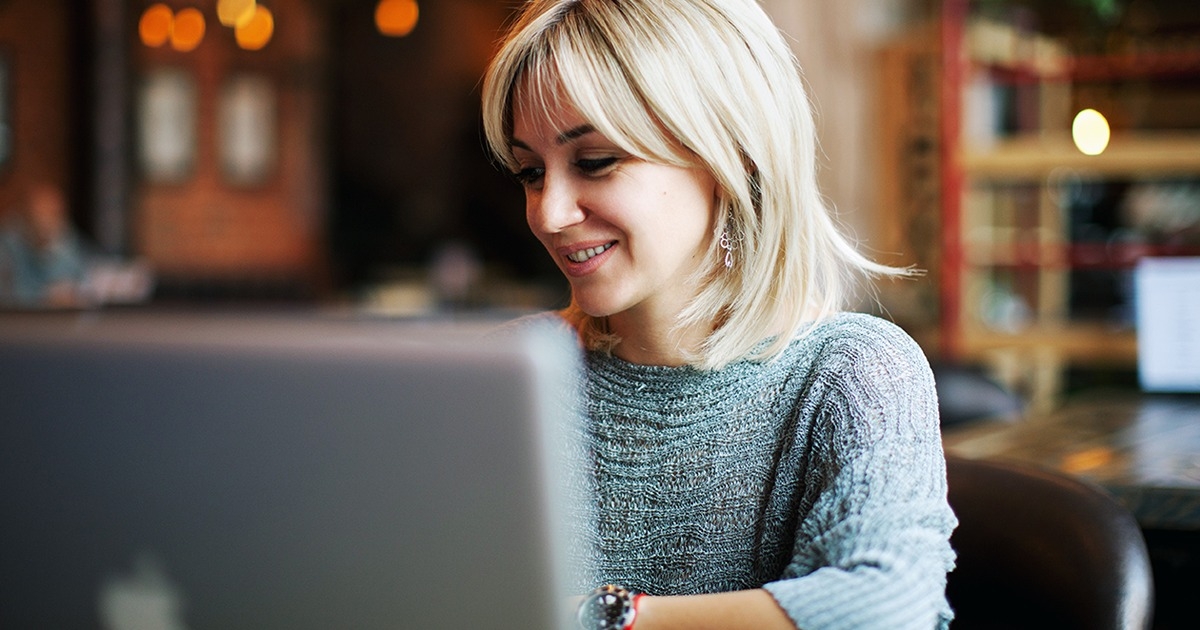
1031, 157
1038, 239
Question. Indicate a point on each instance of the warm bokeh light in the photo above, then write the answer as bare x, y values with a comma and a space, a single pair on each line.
396, 18
1087, 459
188, 30
1091, 132
155, 25
235, 13
256, 32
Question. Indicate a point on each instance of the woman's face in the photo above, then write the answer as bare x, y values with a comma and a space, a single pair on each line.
626, 233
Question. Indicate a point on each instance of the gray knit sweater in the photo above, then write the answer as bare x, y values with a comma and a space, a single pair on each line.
818, 475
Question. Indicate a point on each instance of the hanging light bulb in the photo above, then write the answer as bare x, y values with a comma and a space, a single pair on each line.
257, 31
1091, 132
235, 13
188, 31
154, 27
396, 18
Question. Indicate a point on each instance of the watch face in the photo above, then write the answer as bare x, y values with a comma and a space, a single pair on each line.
607, 608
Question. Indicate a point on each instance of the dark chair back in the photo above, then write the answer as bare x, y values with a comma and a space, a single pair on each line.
966, 394
1038, 549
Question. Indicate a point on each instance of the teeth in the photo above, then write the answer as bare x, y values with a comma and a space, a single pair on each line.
584, 255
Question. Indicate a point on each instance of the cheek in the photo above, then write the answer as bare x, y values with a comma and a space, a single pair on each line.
695, 212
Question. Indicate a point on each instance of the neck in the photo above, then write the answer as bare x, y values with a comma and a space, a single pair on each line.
647, 341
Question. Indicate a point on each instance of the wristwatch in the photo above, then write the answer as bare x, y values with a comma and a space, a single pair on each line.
609, 607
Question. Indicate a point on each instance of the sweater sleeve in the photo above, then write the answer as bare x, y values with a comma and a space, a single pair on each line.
873, 549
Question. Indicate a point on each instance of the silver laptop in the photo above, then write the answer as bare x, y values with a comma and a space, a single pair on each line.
173, 472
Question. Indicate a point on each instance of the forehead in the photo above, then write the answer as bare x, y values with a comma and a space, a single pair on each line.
541, 114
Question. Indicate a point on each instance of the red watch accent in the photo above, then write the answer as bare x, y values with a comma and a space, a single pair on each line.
633, 605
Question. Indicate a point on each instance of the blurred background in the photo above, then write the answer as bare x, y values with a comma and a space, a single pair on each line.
299, 153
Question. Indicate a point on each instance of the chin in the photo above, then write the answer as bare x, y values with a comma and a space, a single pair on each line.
592, 311
595, 307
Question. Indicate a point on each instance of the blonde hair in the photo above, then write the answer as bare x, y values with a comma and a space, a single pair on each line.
706, 83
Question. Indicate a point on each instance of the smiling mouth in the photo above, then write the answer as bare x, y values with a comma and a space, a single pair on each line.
585, 255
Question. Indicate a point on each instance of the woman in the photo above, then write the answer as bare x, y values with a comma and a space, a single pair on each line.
761, 459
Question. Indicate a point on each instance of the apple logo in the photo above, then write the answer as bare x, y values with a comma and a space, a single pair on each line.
144, 599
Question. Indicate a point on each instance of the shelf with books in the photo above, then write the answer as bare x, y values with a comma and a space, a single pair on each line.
1039, 237
1032, 155
1091, 342
1145, 64
1027, 254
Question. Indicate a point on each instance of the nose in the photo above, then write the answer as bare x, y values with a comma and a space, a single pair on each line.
555, 206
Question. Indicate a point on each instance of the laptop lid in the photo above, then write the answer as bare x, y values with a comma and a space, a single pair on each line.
183, 472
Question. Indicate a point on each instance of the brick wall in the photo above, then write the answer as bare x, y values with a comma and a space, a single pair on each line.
208, 227
33, 43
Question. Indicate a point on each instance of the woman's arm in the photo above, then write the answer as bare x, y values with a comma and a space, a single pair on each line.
750, 610
874, 549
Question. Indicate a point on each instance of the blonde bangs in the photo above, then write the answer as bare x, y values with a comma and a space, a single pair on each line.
569, 61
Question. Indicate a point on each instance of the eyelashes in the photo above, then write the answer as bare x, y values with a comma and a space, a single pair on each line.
595, 165
529, 176
588, 166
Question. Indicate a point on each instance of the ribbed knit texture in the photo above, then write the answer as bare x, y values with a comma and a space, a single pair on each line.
819, 475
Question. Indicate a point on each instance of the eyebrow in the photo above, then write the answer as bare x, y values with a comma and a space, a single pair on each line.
562, 138
571, 134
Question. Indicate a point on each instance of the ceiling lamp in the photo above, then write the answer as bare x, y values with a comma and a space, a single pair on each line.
154, 27
1091, 132
188, 30
235, 13
257, 31
396, 18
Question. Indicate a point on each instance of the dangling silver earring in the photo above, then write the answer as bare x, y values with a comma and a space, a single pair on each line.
727, 245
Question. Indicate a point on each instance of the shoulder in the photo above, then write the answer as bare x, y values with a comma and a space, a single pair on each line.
870, 384
859, 334
859, 353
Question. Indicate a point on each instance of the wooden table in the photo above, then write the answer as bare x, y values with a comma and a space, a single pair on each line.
1145, 449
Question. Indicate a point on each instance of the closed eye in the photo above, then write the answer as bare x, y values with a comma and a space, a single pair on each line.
592, 166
